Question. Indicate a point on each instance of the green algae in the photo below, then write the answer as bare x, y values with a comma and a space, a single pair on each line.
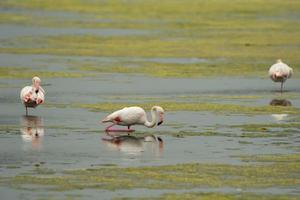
179, 106
235, 65
179, 70
265, 135
216, 196
233, 32
267, 130
182, 134
268, 127
271, 158
181, 176
9, 129
16, 72
14, 18
43, 171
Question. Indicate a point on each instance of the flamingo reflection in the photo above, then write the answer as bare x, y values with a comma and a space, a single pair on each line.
280, 102
135, 145
32, 130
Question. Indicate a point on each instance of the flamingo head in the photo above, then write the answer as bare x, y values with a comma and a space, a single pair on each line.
160, 111
36, 82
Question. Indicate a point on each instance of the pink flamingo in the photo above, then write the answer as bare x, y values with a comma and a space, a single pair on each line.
129, 116
280, 72
34, 95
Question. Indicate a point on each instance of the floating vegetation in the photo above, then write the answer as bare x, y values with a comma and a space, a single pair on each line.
267, 127
217, 196
178, 70
272, 158
181, 176
233, 65
14, 72
182, 134
231, 32
268, 130
211, 107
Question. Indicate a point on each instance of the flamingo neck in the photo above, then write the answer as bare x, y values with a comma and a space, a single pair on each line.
39, 88
151, 123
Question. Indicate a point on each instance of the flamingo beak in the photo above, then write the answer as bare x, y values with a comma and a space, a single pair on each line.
161, 119
159, 123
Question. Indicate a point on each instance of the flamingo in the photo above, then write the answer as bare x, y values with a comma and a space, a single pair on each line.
129, 116
280, 72
34, 95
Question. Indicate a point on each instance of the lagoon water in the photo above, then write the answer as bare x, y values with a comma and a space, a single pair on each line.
62, 135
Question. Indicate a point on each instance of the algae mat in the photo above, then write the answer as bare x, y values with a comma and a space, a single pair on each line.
208, 38
279, 171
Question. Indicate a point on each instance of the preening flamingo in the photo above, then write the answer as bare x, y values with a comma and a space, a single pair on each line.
280, 72
129, 116
34, 95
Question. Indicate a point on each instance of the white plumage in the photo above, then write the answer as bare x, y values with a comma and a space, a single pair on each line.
129, 116
280, 72
34, 95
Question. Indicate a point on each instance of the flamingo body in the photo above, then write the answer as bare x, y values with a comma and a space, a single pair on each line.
280, 72
34, 95
129, 116
30, 98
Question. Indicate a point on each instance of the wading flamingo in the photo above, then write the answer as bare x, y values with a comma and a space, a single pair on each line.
34, 95
129, 116
280, 72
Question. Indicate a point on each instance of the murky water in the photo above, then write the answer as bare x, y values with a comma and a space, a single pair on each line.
60, 138
71, 138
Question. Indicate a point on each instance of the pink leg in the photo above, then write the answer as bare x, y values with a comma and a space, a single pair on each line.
109, 129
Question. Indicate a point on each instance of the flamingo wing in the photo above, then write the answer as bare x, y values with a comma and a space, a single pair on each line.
25, 94
30, 98
132, 115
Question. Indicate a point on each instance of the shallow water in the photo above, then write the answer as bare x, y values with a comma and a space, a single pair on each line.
8, 31
72, 137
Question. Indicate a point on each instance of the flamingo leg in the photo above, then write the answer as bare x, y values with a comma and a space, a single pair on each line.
281, 87
109, 129
26, 111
